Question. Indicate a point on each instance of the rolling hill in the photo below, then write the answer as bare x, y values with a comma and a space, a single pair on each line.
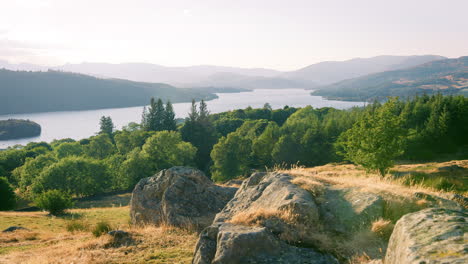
329, 72
27, 92
448, 76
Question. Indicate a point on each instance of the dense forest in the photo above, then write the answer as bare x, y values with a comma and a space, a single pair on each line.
28, 92
17, 128
232, 144
448, 76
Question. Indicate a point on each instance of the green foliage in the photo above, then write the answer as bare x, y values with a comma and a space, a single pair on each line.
200, 132
166, 149
106, 125
230, 157
7, 195
101, 228
126, 141
54, 201
68, 149
77, 175
375, 140
159, 117
31, 169
100, 147
136, 167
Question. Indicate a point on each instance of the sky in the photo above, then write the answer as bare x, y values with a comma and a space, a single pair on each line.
277, 34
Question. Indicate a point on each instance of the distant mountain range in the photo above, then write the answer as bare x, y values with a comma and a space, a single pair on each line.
250, 78
448, 76
28, 92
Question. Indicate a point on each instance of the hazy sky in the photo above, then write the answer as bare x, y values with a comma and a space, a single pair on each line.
283, 35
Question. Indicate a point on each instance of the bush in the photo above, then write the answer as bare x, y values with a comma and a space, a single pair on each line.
54, 201
7, 195
101, 228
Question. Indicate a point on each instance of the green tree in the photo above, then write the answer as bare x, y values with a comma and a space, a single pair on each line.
169, 122
166, 149
375, 140
106, 125
31, 169
7, 195
54, 201
231, 157
136, 167
153, 118
100, 147
68, 149
76, 175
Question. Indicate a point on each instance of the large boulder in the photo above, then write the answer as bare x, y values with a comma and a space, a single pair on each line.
254, 226
429, 236
178, 196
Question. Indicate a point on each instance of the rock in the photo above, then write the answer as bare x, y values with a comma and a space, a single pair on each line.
430, 236
228, 241
453, 202
178, 196
348, 210
14, 228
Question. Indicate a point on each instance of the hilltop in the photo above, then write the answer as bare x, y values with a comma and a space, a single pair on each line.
28, 92
449, 76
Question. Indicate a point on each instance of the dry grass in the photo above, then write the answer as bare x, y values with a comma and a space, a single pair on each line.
50, 242
353, 176
382, 228
316, 188
259, 216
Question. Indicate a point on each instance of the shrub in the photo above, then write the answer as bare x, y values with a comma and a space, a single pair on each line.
75, 225
101, 228
7, 195
54, 201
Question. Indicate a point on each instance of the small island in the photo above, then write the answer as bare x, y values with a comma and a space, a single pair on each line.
18, 128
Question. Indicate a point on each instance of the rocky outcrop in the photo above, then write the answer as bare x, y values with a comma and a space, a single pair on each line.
429, 236
348, 210
242, 234
178, 196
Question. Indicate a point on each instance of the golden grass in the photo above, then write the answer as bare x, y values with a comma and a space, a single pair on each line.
48, 240
353, 176
382, 228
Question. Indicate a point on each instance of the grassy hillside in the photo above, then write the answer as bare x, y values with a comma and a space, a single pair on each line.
53, 240
448, 76
27, 92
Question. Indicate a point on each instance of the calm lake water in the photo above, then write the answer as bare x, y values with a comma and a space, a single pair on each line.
82, 124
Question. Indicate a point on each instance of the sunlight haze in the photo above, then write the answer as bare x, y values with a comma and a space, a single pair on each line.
266, 34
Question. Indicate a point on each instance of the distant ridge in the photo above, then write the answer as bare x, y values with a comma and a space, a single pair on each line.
28, 92
248, 78
448, 76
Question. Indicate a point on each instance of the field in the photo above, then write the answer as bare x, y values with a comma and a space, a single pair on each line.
69, 239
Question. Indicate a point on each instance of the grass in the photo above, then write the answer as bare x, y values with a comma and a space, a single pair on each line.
68, 238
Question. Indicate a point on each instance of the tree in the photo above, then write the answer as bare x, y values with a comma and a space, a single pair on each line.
200, 132
7, 195
106, 125
54, 201
136, 167
100, 147
230, 157
68, 149
166, 149
76, 175
375, 140
169, 122
31, 169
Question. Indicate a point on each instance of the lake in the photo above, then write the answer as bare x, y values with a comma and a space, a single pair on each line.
83, 124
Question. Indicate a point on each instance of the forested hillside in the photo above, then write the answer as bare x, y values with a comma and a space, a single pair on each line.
17, 128
27, 92
231, 144
449, 76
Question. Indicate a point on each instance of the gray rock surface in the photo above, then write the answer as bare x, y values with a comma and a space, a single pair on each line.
225, 242
178, 196
430, 236
348, 210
